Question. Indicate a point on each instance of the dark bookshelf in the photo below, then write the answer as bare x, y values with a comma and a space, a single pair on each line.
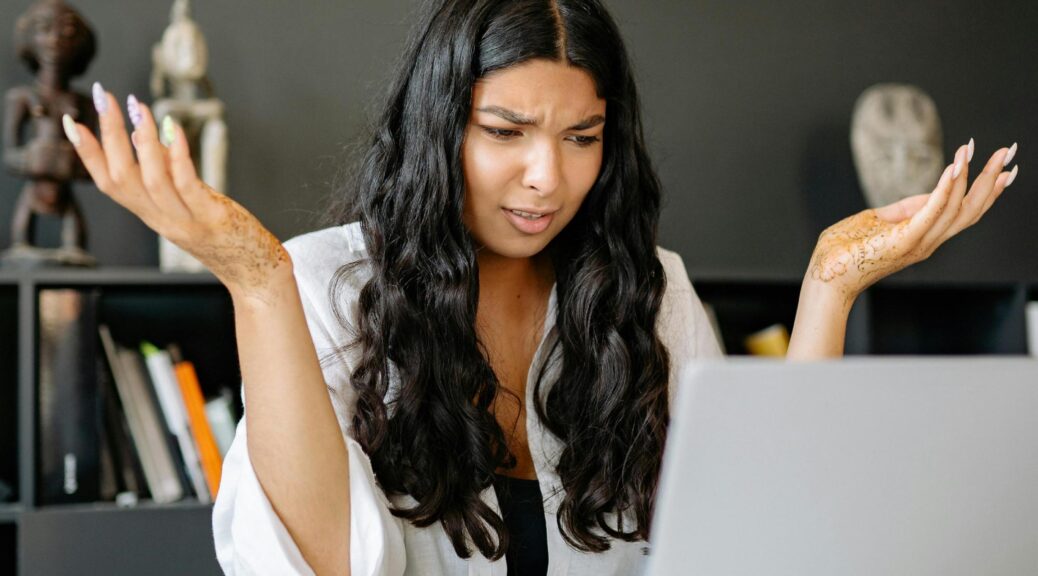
897, 316
744, 306
900, 315
8, 547
191, 310
9, 513
148, 539
8, 394
948, 320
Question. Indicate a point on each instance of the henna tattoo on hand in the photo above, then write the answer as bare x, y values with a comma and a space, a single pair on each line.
858, 251
243, 253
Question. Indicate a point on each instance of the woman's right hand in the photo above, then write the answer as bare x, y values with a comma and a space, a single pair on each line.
164, 191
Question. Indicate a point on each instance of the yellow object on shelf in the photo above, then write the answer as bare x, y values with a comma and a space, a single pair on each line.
771, 341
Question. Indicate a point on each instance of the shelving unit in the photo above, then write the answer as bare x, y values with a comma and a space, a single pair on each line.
894, 317
192, 310
897, 316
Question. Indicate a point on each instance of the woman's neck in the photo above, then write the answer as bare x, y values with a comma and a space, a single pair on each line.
500, 274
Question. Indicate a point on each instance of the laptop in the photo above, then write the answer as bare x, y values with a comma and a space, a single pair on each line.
872, 466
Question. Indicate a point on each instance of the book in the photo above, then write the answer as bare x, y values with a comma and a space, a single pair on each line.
205, 442
146, 427
127, 467
171, 401
221, 419
70, 451
1032, 328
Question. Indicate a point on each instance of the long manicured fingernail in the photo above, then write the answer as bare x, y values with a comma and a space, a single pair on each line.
70, 130
969, 151
1012, 176
133, 108
168, 131
1009, 156
100, 101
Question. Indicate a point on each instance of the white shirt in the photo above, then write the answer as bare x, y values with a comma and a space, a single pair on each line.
251, 539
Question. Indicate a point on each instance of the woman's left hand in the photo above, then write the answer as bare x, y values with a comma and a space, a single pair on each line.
858, 251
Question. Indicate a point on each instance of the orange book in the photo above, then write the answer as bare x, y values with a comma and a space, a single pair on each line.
208, 453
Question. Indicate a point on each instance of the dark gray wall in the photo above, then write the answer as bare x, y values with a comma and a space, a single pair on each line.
747, 106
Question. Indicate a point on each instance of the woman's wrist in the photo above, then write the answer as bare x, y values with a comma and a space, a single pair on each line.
274, 288
821, 321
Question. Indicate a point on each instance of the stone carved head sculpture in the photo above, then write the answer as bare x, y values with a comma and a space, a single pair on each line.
896, 141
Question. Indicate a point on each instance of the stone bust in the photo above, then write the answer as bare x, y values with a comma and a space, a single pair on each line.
182, 90
896, 141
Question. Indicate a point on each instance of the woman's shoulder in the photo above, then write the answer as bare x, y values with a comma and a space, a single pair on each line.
318, 256
330, 247
674, 268
317, 259
684, 324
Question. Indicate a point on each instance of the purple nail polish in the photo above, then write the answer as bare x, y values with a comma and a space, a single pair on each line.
100, 101
134, 109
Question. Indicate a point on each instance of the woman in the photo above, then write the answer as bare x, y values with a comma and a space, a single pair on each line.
500, 314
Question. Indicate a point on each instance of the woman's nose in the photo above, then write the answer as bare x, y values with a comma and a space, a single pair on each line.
543, 168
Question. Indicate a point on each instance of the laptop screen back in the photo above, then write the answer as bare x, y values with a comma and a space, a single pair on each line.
866, 466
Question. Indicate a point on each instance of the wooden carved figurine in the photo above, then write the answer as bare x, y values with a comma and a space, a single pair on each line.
57, 45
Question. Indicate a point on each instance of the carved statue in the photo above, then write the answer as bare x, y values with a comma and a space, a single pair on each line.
897, 143
57, 45
182, 91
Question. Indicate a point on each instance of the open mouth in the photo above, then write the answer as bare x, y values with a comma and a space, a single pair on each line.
528, 222
527, 215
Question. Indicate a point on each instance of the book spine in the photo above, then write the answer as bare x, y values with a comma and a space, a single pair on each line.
170, 486
129, 478
128, 398
70, 465
208, 451
1032, 328
160, 367
221, 420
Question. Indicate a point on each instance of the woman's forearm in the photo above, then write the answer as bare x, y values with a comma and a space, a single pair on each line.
294, 440
821, 322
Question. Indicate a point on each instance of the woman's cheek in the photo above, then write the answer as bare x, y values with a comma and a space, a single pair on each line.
490, 164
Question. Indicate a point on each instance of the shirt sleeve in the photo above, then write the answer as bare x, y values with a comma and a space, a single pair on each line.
683, 323
249, 536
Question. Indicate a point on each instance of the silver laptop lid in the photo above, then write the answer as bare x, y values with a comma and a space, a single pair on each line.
866, 466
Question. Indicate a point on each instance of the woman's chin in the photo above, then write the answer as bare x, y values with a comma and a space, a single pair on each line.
516, 248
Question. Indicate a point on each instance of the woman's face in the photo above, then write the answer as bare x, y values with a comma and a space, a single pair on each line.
533, 144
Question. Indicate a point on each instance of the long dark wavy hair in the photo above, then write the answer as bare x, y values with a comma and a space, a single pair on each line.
436, 438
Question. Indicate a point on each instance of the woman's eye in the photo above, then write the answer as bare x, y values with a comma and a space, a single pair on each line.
585, 141
501, 133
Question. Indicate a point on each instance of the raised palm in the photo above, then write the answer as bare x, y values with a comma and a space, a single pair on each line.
162, 188
859, 250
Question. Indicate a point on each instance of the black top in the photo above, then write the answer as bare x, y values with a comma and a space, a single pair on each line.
523, 512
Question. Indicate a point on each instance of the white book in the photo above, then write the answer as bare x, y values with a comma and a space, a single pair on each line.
1032, 328
170, 489
218, 412
163, 376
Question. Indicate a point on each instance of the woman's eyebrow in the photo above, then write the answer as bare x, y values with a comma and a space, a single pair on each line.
508, 115
589, 122
519, 119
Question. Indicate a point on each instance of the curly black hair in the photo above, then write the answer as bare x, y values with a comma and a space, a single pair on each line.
436, 439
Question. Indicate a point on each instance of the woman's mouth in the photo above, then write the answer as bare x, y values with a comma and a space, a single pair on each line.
528, 222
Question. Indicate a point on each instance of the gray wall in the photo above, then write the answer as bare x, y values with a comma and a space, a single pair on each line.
747, 106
